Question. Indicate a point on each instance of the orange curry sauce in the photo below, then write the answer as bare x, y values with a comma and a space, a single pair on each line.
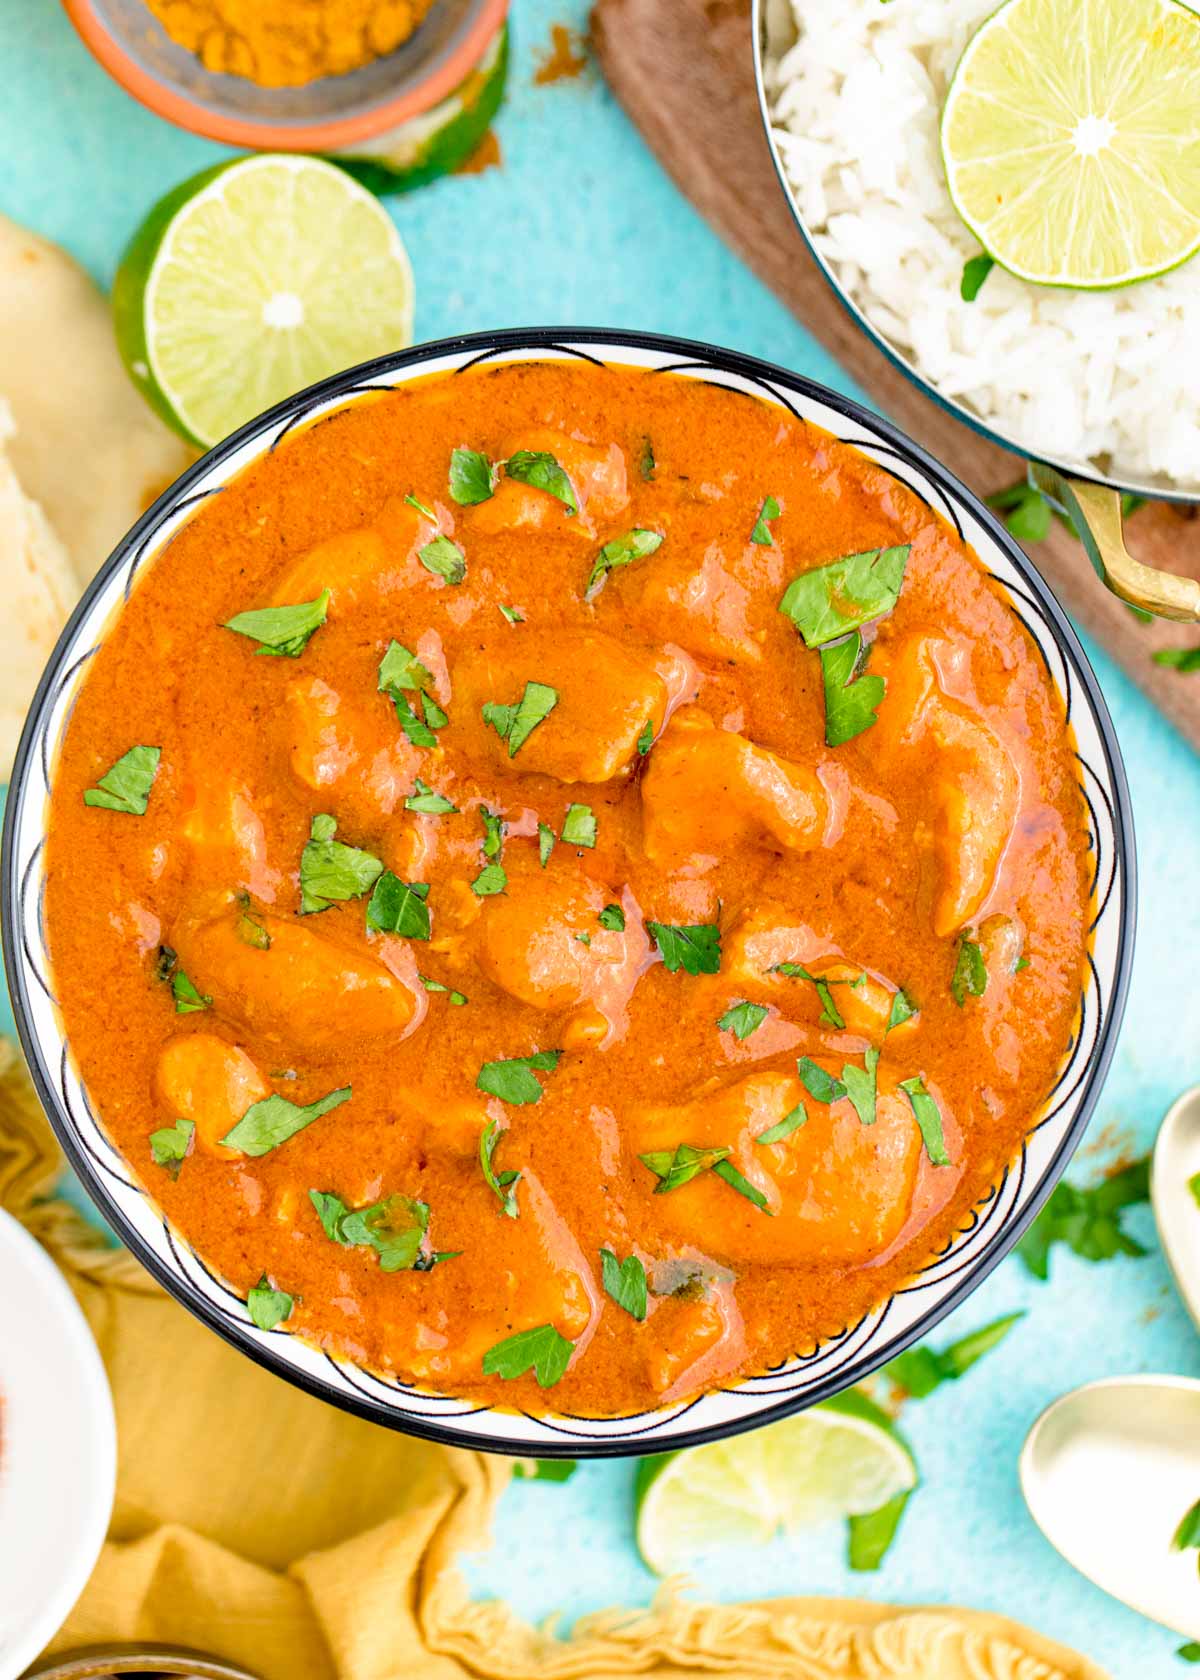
956, 816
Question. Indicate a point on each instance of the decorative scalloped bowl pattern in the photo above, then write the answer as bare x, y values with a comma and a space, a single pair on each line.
946, 1279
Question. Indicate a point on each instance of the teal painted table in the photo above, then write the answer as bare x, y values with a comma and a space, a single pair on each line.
581, 226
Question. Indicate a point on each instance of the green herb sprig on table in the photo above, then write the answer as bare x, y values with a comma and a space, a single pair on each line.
1088, 1221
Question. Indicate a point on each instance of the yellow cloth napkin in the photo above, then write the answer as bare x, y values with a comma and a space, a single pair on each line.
265, 1527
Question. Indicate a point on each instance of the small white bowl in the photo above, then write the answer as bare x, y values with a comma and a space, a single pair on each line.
58, 1449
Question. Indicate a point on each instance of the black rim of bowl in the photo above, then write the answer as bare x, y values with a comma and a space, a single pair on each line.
484, 345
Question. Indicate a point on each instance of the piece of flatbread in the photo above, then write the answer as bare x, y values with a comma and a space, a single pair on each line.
87, 447
40, 588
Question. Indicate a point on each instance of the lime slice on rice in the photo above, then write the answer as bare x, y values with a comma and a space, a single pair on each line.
843, 1458
1071, 139
252, 280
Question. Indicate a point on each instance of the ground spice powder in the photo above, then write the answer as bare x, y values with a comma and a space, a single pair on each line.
286, 43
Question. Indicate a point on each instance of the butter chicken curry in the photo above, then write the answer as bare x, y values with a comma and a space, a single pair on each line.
567, 884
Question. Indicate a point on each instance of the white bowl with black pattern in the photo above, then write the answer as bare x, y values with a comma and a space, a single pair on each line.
994, 1224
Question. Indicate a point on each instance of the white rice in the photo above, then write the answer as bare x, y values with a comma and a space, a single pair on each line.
1110, 379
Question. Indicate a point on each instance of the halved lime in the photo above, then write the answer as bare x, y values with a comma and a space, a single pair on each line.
1071, 138
843, 1458
252, 280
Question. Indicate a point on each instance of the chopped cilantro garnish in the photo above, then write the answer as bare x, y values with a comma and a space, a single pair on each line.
579, 826
267, 1124
472, 477
975, 271
511, 614
928, 1117
282, 631
920, 1370
513, 1080
674, 1168
330, 871
612, 917
903, 1009
493, 832
542, 1350
171, 1145
646, 739
267, 1306
860, 1085
444, 559
761, 533
1088, 1221
622, 551
126, 786
970, 975
822, 1086
542, 471
398, 906
504, 1184
491, 880
429, 803
625, 1282
697, 950
742, 1018
827, 602
785, 1127
516, 723
545, 843
851, 699
187, 999
436, 986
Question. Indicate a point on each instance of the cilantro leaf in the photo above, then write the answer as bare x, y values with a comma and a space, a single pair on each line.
743, 1186
187, 999
282, 631
871, 1535
674, 1168
1088, 1221
970, 975
785, 1127
504, 1184
860, 1085
742, 1018
491, 879
975, 271
831, 1015
928, 1117
429, 803
273, 1120
472, 477
511, 614
400, 669
398, 906
637, 544
516, 723
330, 871
697, 950
579, 826
493, 832
436, 986
761, 533
126, 785
444, 559
1026, 512
542, 1350
542, 471
625, 1282
1189, 1653
545, 843
903, 1009
268, 1307
1178, 659
1193, 1185
421, 508
646, 739
546, 1469
1186, 1537
827, 602
612, 917
400, 674
851, 699
513, 1080
647, 463
821, 1086
171, 1146
249, 929
394, 1227
918, 1371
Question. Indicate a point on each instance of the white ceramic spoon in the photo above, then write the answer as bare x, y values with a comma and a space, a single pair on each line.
1107, 1473
1108, 1470
1176, 1160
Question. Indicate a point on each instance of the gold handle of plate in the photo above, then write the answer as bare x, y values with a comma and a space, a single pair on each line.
1095, 513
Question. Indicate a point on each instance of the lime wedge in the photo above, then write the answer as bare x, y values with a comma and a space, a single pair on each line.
1071, 139
843, 1458
252, 280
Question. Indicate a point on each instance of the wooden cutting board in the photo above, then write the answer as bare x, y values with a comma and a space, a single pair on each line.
684, 72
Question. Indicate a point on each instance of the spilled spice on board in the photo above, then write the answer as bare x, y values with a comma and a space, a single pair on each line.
565, 58
487, 155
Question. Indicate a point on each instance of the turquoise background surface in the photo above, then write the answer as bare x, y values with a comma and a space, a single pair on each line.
581, 226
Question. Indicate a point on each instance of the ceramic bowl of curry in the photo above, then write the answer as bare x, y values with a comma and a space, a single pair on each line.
569, 893
399, 83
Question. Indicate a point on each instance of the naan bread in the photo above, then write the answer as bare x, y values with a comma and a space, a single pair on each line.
40, 589
87, 447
